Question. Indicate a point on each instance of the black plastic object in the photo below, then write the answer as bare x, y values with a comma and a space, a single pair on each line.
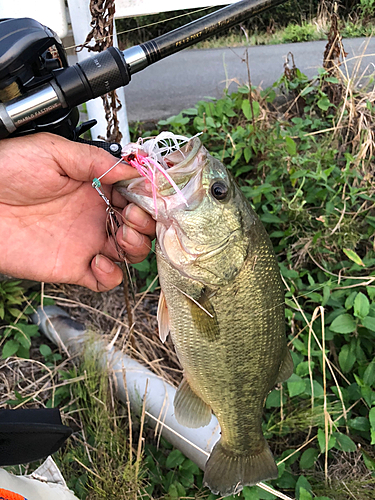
93, 77
27, 435
25, 53
202, 28
29, 55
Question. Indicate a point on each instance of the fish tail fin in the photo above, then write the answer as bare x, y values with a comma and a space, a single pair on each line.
227, 472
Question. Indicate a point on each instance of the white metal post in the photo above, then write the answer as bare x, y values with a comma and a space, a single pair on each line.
80, 18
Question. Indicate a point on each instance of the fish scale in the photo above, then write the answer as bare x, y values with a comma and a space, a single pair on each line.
223, 302
244, 335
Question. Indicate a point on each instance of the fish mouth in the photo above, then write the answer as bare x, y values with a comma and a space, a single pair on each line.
184, 167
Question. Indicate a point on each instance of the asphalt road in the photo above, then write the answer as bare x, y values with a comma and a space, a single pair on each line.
179, 81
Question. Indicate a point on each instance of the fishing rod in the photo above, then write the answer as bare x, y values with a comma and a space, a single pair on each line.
39, 91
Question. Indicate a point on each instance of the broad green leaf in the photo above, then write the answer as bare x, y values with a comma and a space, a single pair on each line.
344, 442
368, 395
181, 492
246, 108
291, 146
174, 459
302, 369
322, 441
264, 495
296, 385
270, 218
302, 484
372, 423
344, 323
143, 266
369, 375
23, 340
10, 347
317, 388
250, 493
274, 399
304, 494
45, 350
307, 90
369, 322
191, 111
186, 478
359, 424
361, 305
308, 458
14, 312
350, 300
369, 462
190, 466
247, 154
281, 469
353, 256
210, 122
371, 417
172, 492
346, 358
324, 103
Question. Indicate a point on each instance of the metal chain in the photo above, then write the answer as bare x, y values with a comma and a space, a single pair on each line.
102, 12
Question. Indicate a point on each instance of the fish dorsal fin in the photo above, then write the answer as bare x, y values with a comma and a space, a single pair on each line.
189, 409
286, 367
163, 318
204, 317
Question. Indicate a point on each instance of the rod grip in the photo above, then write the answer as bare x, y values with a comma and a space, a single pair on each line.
93, 77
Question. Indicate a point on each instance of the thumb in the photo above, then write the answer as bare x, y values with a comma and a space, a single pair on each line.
84, 162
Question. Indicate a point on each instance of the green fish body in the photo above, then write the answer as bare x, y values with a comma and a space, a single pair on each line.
222, 301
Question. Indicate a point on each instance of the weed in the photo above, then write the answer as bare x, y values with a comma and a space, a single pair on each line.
98, 460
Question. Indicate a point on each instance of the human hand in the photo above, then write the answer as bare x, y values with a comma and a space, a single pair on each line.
53, 223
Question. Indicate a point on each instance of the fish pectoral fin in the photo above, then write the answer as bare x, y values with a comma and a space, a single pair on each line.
189, 409
286, 367
163, 318
204, 317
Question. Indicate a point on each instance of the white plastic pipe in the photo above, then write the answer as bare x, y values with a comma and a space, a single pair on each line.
69, 335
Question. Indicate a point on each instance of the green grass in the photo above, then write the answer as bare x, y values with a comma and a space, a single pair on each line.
307, 170
293, 33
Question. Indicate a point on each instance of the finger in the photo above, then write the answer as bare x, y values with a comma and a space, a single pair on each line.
83, 162
118, 200
136, 245
139, 220
105, 275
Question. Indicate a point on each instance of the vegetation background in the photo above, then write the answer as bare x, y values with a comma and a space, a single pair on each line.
293, 21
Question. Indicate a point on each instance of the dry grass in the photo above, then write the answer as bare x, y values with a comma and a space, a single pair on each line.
106, 314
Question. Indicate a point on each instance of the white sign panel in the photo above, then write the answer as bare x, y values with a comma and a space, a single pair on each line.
131, 8
51, 13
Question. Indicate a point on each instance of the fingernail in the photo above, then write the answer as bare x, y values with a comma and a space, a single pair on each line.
136, 216
131, 236
105, 265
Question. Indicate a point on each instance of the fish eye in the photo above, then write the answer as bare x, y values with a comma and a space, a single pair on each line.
219, 190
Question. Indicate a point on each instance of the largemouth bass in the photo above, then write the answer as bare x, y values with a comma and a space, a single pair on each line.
222, 301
